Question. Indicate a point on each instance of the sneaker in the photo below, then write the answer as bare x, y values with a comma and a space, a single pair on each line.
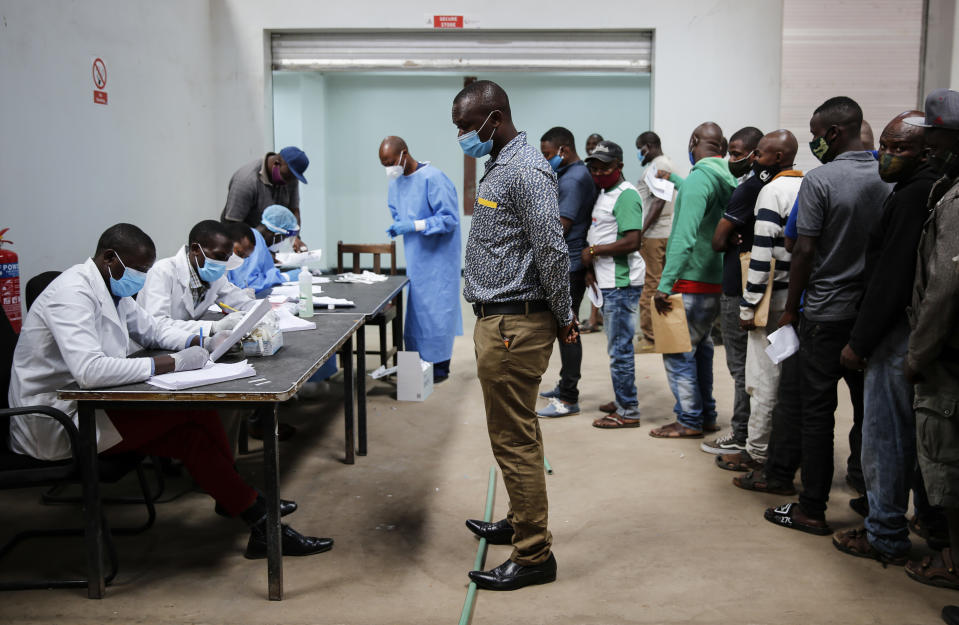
558, 408
550, 394
723, 445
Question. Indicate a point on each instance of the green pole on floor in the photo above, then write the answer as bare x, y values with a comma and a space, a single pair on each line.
549, 469
481, 550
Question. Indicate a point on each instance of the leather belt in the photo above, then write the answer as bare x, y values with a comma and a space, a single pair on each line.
510, 308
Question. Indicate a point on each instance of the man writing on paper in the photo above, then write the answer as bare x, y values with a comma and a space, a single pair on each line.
258, 271
273, 179
517, 277
184, 286
422, 201
80, 330
695, 270
772, 168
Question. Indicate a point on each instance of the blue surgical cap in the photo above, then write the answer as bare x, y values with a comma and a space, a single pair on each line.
279, 219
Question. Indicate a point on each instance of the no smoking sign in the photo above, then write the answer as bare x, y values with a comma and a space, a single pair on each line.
99, 81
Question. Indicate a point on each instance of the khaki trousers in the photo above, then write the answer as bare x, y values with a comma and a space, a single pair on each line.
653, 252
510, 377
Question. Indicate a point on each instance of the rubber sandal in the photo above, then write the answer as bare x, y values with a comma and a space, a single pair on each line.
935, 570
675, 430
615, 422
756, 481
711, 428
784, 515
608, 407
740, 461
855, 542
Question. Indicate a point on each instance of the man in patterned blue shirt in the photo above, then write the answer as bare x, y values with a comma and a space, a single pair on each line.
517, 277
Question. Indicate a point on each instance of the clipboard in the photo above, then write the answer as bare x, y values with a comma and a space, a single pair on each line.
761, 316
242, 329
670, 331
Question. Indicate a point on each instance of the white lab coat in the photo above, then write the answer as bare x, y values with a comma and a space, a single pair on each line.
74, 332
166, 293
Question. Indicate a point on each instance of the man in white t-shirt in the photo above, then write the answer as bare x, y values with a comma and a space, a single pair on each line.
614, 266
656, 226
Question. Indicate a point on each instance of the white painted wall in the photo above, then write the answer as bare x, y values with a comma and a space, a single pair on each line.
69, 168
714, 60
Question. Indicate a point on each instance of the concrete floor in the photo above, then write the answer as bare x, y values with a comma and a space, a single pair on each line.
646, 531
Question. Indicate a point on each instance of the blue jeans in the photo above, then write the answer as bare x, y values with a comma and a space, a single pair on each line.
888, 444
619, 320
690, 374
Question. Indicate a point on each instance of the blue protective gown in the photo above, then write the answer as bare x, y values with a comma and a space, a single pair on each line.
433, 316
257, 272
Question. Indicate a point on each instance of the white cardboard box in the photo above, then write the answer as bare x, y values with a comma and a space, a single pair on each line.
414, 377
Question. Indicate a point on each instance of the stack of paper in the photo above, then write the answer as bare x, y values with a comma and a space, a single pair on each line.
210, 374
367, 277
331, 301
316, 280
291, 323
292, 291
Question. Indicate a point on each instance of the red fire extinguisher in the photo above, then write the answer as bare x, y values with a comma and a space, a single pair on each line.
10, 284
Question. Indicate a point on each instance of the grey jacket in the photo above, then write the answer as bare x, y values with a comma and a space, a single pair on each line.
934, 315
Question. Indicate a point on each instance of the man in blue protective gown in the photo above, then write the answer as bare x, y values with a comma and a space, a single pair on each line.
258, 271
423, 203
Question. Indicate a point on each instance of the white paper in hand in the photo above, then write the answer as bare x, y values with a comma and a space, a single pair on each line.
663, 189
783, 343
595, 296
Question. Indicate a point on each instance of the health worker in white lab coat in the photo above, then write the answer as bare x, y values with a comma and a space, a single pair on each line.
422, 201
81, 329
184, 286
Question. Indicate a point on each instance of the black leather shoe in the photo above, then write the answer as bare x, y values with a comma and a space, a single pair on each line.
499, 533
286, 507
294, 543
510, 576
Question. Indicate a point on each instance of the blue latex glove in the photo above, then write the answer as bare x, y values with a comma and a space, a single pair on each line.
291, 275
400, 227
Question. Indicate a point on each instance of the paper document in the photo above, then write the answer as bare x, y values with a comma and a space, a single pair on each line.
298, 259
670, 331
291, 323
783, 343
595, 296
316, 280
367, 277
663, 189
242, 329
331, 301
210, 374
292, 291
761, 314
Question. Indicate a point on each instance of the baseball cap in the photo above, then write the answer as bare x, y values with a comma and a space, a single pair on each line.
942, 111
607, 152
297, 161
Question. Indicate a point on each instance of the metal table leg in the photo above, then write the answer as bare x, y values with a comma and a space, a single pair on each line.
361, 389
96, 585
348, 390
271, 477
398, 328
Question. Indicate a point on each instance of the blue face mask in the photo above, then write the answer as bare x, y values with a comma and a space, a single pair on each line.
692, 161
875, 154
471, 144
556, 161
640, 155
129, 283
212, 270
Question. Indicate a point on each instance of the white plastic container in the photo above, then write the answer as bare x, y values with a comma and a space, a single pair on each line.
305, 307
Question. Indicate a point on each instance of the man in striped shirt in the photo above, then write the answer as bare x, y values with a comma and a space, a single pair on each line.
775, 155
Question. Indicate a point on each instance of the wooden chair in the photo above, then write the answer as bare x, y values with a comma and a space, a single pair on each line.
389, 314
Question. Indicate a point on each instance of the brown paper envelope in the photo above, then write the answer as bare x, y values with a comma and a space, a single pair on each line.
670, 332
761, 317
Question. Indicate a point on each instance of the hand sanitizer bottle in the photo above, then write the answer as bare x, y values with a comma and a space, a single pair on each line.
306, 294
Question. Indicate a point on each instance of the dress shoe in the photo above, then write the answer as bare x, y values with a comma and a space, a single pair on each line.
294, 543
286, 507
499, 533
510, 576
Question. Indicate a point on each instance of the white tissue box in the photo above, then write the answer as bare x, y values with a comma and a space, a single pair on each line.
414, 377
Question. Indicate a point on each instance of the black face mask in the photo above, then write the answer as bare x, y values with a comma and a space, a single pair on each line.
765, 173
740, 168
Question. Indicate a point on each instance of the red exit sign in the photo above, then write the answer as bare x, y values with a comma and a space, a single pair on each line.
447, 21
